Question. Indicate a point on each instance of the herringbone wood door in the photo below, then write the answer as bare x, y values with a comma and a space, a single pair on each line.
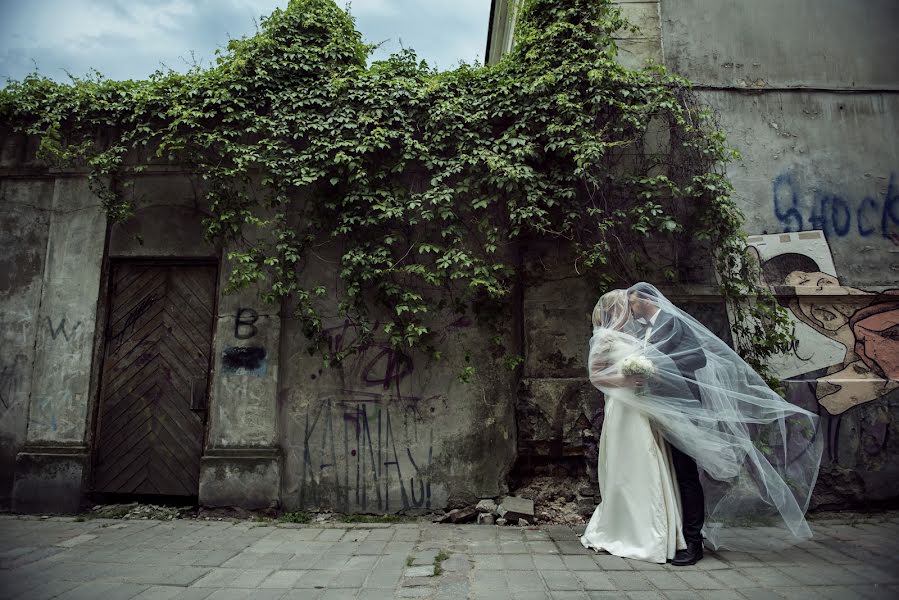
155, 373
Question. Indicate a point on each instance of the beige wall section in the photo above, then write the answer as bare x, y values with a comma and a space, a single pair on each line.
242, 412
241, 464
52, 464
634, 49
24, 227
839, 44
67, 317
502, 30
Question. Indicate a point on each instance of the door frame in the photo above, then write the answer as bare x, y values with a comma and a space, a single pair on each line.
102, 337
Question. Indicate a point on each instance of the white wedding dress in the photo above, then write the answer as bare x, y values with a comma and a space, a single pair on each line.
639, 516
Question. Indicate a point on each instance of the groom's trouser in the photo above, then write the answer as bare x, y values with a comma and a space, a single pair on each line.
691, 496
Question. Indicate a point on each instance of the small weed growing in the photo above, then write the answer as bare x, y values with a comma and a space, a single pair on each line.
438, 562
295, 517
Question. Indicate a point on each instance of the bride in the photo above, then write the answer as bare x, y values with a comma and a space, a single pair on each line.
639, 516
757, 454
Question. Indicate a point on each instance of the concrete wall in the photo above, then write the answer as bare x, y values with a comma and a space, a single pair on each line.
382, 433
389, 432
634, 48
53, 235
820, 44
243, 460
24, 227
808, 92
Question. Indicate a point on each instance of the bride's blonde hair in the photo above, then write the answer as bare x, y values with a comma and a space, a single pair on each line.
611, 309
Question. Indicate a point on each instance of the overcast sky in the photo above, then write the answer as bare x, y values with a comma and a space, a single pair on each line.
129, 39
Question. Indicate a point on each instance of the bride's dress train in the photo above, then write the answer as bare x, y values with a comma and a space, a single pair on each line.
639, 516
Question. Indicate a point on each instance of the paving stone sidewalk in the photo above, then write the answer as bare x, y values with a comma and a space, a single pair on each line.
850, 557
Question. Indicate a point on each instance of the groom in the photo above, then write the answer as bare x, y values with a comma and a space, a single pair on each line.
671, 337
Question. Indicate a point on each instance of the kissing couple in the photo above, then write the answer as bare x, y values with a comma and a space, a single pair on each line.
694, 443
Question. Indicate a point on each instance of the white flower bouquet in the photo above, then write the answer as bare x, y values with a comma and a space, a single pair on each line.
637, 366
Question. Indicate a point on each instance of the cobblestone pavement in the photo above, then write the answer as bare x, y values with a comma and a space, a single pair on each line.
850, 557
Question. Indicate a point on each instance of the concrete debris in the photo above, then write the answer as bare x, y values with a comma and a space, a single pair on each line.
137, 511
462, 515
556, 498
553, 499
513, 508
486, 519
585, 505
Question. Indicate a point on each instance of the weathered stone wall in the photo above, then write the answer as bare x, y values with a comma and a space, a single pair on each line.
24, 227
53, 237
382, 433
808, 92
559, 413
389, 431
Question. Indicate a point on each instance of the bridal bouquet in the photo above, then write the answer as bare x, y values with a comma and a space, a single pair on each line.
637, 366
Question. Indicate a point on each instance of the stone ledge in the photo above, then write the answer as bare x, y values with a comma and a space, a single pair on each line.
50, 479
243, 452
246, 477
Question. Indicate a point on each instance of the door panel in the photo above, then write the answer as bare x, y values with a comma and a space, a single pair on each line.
154, 381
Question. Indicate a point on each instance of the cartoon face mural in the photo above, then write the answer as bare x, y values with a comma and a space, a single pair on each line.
851, 333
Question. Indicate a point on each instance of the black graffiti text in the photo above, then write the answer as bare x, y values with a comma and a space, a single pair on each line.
244, 323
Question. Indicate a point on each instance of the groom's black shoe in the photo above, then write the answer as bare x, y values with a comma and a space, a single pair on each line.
689, 556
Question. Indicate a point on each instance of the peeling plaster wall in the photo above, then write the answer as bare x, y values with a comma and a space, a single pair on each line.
389, 432
24, 229
818, 44
52, 237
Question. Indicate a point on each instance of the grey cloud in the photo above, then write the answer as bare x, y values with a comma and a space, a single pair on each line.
76, 36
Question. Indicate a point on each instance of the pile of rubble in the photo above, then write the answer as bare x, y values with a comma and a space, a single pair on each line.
542, 499
137, 511
561, 500
511, 510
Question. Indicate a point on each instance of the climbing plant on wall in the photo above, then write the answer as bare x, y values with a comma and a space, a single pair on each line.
425, 181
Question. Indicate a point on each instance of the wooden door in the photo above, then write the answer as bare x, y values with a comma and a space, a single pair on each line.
155, 374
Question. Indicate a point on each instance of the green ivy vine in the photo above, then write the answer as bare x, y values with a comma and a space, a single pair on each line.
425, 182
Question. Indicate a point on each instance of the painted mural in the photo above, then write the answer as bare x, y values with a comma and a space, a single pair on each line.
844, 364
849, 333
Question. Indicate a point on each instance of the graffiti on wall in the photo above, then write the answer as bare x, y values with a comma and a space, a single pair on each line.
56, 410
834, 213
367, 442
11, 381
850, 334
60, 330
245, 360
365, 456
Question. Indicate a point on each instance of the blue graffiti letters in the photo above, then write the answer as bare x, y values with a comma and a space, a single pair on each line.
835, 215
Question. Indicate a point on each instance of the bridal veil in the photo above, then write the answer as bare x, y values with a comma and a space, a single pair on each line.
759, 454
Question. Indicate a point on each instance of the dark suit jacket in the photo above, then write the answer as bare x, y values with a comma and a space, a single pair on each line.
670, 337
